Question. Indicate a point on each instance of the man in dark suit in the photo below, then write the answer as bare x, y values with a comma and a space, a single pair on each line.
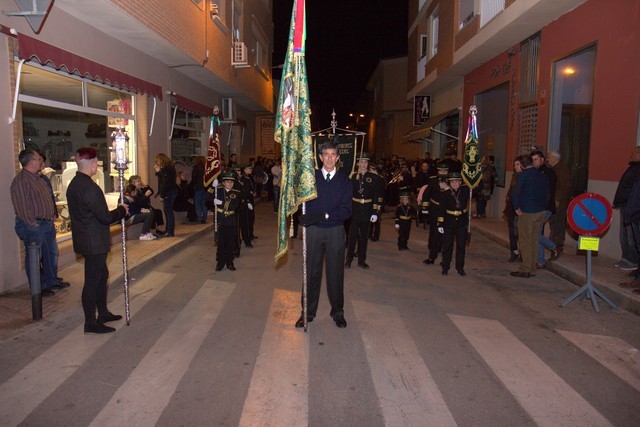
91, 218
324, 220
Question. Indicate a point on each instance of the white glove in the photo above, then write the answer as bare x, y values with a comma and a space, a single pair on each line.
250, 206
441, 230
374, 218
424, 212
217, 202
215, 182
397, 226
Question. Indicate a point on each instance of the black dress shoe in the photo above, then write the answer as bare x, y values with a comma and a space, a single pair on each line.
300, 321
521, 274
231, 267
340, 322
445, 271
61, 285
461, 272
429, 261
109, 317
248, 245
168, 235
347, 264
364, 266
47, 292
219, 267
98, 328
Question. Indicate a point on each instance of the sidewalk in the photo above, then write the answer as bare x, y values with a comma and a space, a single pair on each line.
15, 307
572, 266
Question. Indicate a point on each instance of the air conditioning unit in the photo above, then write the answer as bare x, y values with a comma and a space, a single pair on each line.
228, 110
239, 54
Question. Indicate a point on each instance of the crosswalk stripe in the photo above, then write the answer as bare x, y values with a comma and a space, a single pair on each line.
546, 397
406, 390
613, 353
278, 393
22, 393
162, 368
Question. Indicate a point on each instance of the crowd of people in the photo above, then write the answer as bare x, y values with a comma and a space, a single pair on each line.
346, 215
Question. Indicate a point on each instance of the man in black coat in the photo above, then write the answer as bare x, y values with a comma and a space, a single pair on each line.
91, 218
629, 259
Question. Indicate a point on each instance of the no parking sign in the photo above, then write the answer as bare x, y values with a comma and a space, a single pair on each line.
589, 214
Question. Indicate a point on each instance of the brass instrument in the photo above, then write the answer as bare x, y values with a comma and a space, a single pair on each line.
396, 178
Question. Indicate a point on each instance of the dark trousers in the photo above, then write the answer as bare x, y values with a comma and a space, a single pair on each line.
325, 244
512, 223
374, 229
227, 241
435, 239
94, 292
145, 217
244, 219
455, 228
358, 233
403, 233
558, 225
167, 206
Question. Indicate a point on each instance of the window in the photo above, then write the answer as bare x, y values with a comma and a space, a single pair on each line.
466, 12
435, 24
217, 11
423, 48
237, 20
261, 49
571, 110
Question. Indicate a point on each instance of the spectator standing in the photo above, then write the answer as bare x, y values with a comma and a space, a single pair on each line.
199, 192
184, 198
167, 190
539, 162
530, 198
629, 260
276, 171
510, 213
91, 219
557, 222
35, 212
485, 189
632, 216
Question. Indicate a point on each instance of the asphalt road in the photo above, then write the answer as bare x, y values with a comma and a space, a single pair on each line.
421, 349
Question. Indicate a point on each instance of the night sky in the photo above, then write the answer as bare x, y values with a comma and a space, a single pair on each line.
345, 41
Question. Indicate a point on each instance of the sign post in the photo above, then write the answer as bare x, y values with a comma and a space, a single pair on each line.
589, 215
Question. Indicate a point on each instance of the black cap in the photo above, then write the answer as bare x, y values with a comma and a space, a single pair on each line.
454, 176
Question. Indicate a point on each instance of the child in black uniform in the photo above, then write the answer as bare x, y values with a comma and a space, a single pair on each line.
227, 202
404, 215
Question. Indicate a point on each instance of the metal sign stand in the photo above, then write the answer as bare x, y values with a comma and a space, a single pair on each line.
589, 291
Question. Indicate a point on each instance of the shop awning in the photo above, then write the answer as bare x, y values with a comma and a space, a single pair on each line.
193, 107
424, 131
30, 48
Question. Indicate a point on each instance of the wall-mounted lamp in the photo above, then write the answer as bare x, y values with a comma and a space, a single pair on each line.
569, 71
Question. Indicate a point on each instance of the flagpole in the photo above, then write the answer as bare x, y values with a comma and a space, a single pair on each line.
304, 270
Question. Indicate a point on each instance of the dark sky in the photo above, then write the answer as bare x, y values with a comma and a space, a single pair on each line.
345, 41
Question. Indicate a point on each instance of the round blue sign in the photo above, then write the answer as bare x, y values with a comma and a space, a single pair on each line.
589, 214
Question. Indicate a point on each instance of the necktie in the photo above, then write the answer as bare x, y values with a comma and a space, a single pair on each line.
328, 177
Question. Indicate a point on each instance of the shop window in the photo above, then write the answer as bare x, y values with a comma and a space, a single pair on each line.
571, 109
493, 114
44, 84
187, 138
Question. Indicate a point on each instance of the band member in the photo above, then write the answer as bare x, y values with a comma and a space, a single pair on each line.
432, 203
404, 214
367, 193
227, 202
455, 203
247, 216
374, 227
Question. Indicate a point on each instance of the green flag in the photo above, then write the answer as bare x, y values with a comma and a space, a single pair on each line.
293, 130
471, 168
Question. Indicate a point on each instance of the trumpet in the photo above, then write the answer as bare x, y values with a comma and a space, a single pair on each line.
396, 178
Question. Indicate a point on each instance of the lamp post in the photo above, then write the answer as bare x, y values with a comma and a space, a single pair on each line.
120, 160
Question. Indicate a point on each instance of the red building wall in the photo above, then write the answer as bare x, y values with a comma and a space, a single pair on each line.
613, 27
